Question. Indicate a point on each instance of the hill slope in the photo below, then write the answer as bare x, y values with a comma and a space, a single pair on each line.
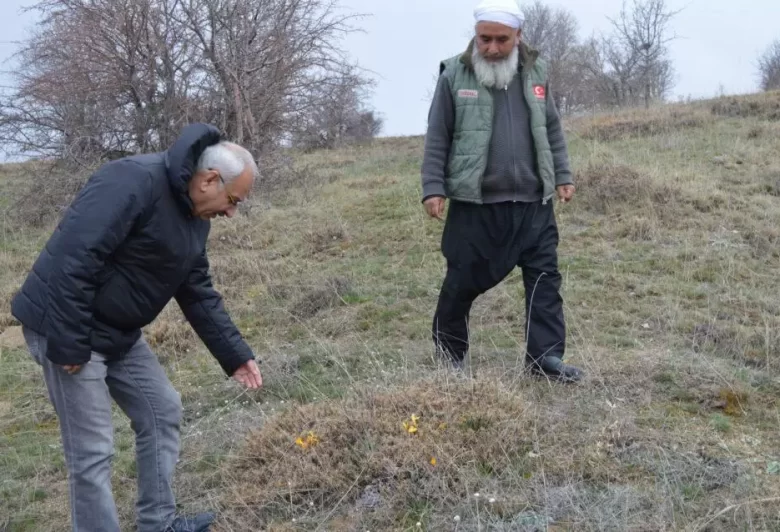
669, 255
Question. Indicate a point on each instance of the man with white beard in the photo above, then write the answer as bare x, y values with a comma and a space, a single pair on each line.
495, 148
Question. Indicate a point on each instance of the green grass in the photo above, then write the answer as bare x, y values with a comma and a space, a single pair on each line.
668, 256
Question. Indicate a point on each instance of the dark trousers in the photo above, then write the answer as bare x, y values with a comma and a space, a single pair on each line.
482, 245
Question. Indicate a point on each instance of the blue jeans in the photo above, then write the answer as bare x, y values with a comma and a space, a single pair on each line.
139, 385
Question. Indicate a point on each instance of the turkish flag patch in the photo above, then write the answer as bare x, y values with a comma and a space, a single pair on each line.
539, 91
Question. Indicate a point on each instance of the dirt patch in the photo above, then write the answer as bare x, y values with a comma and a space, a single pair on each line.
329, 240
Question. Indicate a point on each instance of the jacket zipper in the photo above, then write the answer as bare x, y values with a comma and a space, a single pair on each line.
511, 144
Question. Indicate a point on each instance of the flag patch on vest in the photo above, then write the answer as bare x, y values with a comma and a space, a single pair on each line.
466, 93
539, 91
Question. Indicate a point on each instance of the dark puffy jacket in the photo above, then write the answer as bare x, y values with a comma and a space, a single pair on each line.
126, 245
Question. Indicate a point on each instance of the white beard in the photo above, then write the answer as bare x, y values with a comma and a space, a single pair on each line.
495, 73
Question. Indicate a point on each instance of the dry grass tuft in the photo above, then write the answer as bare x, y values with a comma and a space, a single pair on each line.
7, 320
328, 295
330, 240
764, 241
48, 190
610, 188
766, 107
755, 346
385, 449
641, 124
174, 336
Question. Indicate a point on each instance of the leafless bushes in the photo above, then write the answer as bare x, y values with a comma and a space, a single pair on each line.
100, 79
769, 67
627, 67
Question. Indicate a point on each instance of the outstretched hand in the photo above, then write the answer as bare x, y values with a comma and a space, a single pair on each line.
249, 375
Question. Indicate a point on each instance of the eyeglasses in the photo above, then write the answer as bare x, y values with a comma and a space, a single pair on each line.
231, 198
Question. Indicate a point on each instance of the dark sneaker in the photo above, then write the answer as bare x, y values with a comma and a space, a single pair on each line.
554, 369
192, 523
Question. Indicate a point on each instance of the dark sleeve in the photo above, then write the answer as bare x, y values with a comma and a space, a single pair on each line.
557, 143
203, 307
97, 222
438, 139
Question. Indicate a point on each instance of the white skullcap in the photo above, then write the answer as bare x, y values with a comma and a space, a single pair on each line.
504, 12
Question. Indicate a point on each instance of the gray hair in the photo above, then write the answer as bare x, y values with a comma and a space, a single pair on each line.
229, 159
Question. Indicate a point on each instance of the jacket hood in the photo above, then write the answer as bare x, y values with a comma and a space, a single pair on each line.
182, 157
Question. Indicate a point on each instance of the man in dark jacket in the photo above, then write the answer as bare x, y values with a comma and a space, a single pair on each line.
133, 239
495, 147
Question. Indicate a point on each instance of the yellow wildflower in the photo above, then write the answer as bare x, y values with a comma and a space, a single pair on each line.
310, 441
433, 461
411, 425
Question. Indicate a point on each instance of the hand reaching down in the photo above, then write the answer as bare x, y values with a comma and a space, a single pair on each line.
249, 375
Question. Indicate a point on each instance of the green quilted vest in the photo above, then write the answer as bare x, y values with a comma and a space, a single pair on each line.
474, 123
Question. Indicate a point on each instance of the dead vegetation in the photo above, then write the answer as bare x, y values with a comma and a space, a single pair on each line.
326, 295
171, 337
609, 188
483, 451
381, 450
765, 107
48, 190
641, 124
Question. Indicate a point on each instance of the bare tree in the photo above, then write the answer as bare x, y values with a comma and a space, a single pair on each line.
554, 33
99, 76
339, 114
105, 77
631, 65
628, 66
638, 50
769, 67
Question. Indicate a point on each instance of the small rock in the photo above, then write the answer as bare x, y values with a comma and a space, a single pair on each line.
370, 497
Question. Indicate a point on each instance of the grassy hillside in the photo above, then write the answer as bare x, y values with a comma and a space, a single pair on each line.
669, 254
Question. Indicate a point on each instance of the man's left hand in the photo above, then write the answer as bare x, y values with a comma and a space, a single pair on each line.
565, 193
249, 375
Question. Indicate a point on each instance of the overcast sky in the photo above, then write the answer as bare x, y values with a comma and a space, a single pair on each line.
404, 40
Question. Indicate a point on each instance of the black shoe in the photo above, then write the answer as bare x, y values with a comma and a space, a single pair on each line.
554, 369
193, 523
